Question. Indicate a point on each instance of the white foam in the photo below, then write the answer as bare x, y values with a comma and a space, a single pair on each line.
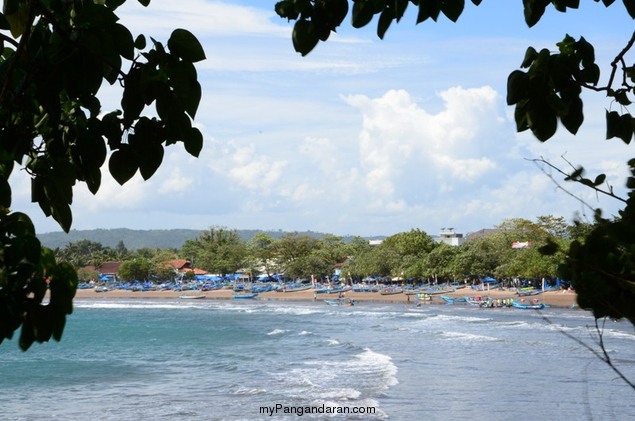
619, 334
469, 337
131, 305
248, 391
277, 332
379, 362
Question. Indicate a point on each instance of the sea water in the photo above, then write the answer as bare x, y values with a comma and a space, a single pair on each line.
136, 359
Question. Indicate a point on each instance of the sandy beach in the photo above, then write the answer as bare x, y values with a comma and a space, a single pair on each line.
559, 299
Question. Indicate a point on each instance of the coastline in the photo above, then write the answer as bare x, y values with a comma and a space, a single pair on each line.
557, 299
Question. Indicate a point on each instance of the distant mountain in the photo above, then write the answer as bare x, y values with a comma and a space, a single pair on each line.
132, 239
136, 239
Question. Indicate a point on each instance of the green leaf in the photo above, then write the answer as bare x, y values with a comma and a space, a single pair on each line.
400, 9
186, 88
585, 51
122, 164
362, 14
599, 179
176, 125
621, 98
533, 10
286, 9
590, 74
150, 160
574, 117
145, 3
48, 259
428, 9
58, 321
542, 121
122, 39
530, 55
91, 149
32, 249
630, 7
516, 87
20, 225
27, 337
4, 24
337, 11
184, 44
93, 179
132, 100
5, 193
385, 19
575, 174
521, 116
548, 249
61, 212
452, 9
63, 285
193, 141
620, 126
304, 37
16, 14
140, 42
111, 128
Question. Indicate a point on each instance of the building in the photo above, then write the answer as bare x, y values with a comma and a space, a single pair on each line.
450, 237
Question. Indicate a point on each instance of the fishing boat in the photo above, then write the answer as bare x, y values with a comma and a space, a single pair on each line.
476, 300
422, 298
244, 295
295, 288
391, 290
340, 302
528, 305
452, 300
439, 289
528, 292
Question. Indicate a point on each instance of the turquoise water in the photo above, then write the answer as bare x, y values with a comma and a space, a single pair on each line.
223, 360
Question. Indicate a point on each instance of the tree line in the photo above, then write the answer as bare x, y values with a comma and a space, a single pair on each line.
411, 255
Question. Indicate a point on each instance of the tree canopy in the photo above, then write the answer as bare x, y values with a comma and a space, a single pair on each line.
55, 57
546, 95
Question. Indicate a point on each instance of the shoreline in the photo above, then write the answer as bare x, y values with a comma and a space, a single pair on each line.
556, 299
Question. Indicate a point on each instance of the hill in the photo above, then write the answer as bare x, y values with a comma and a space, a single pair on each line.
136, 239
132, 239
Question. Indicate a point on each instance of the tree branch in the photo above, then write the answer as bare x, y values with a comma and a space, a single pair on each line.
603, 355
578, 179
9, 40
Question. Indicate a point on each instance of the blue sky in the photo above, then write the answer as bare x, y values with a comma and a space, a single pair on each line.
362, 136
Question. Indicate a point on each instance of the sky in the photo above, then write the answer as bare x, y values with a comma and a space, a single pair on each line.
362, 136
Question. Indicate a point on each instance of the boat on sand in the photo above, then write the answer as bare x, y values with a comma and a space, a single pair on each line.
528, 304
244, 295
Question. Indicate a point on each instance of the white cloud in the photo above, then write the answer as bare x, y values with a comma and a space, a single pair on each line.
202, 17
402, 144
361, 136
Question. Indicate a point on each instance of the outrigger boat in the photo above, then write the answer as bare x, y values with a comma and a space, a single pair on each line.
422, 297
391, 290
244, 295
340, 302
528, 305
452, 300
528, 292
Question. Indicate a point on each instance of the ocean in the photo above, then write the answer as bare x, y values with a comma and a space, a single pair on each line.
143, 359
